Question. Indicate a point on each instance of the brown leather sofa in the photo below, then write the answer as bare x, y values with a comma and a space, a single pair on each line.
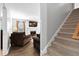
19, 38
36, 42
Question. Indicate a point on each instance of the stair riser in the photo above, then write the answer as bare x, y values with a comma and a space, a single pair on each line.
65, 35
68, 43
69, 26
71, 23
67, 30
75, 21
73, 18
75, 11
76, 15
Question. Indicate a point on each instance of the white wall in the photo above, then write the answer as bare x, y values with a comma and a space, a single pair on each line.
76, 5
56, 14
0, 40
52, 18
43, 17
0, 14
0, 33
0, 9
0, 22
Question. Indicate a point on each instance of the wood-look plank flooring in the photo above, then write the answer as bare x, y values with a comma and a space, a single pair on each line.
27, 50
0, 52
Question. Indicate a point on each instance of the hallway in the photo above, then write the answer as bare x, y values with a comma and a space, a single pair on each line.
64, 45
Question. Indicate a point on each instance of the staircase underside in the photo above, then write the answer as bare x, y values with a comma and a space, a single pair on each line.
64, 45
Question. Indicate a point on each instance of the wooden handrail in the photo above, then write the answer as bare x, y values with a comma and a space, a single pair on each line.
76, 33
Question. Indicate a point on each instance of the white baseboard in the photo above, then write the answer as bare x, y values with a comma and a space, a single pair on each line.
5, 52
6, 44
52, 39
44, 51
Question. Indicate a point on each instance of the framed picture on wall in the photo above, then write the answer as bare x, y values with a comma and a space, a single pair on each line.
32, 24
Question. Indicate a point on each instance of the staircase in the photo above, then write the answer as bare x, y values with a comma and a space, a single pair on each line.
64, 45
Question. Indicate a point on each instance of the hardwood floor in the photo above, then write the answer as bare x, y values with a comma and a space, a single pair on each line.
0, 52
27, 50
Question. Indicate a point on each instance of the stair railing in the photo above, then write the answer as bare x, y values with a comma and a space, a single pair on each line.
76, 33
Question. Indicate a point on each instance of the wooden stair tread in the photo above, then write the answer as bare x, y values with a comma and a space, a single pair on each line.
69, 39
62, 49
65, 49
65, 33
67, 28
